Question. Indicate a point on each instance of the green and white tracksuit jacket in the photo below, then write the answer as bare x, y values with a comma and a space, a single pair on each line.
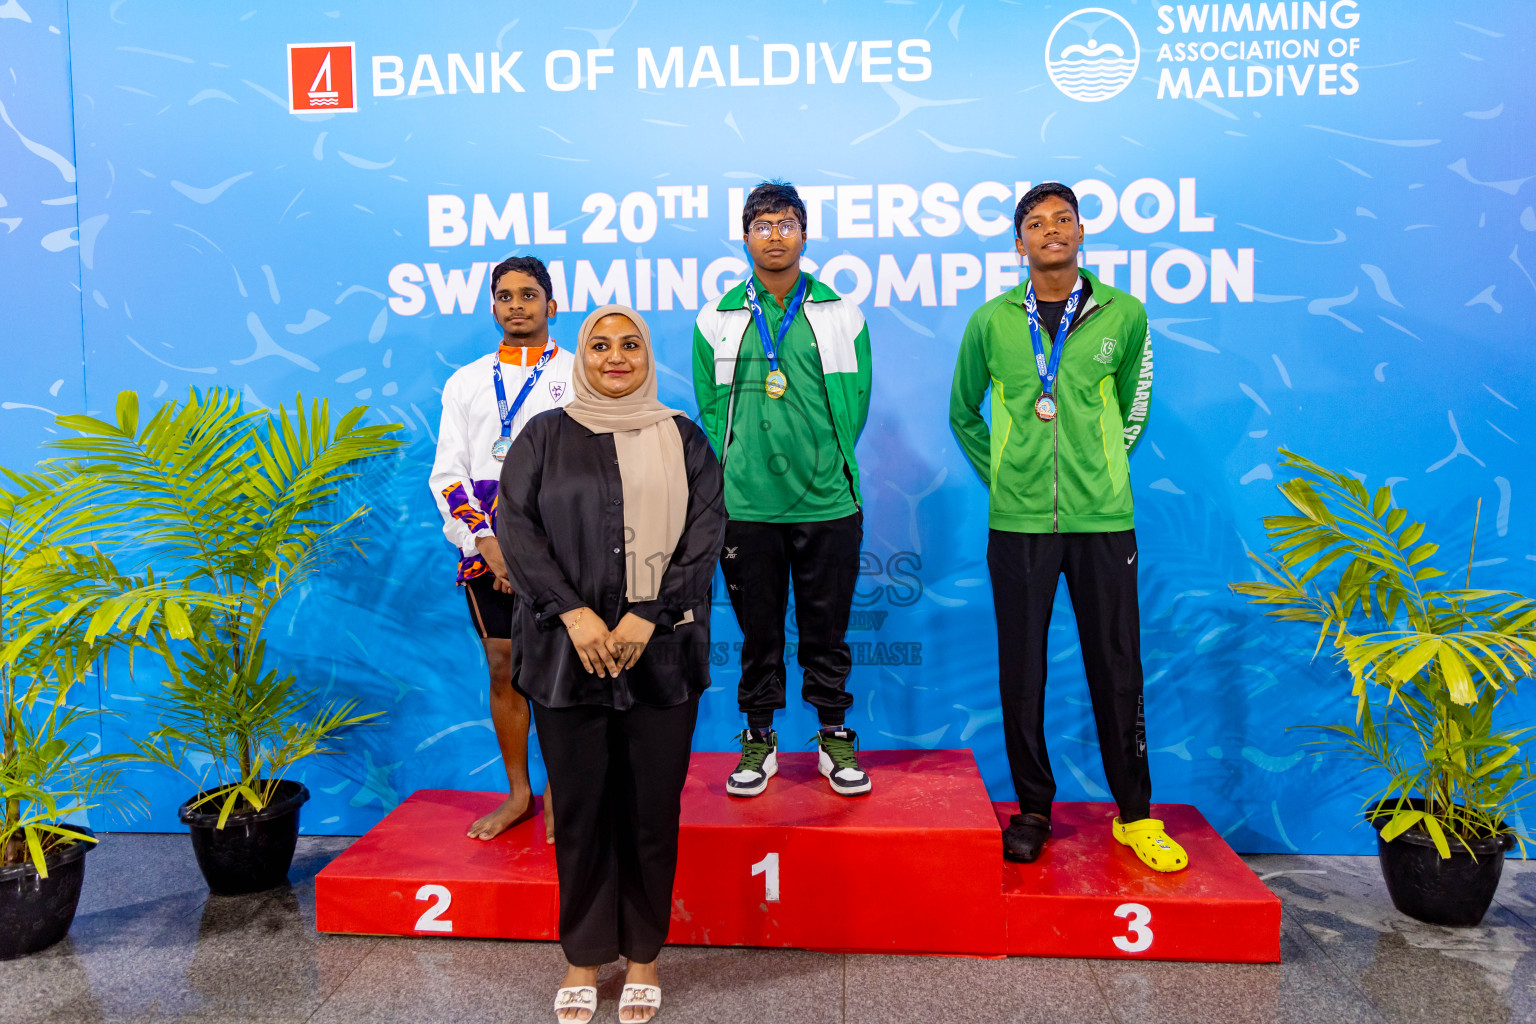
839, 343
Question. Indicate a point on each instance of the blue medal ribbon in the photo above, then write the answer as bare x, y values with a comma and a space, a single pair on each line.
509, 412
1046, 370
770, 344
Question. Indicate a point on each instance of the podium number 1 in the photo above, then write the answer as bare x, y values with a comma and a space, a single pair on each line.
768, 867
1138, 936
430, 921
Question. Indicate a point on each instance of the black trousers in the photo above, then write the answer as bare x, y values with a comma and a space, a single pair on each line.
822, 558
620, 778
1101, 579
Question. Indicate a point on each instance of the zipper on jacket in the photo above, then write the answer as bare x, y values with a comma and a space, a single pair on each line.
1088, 315
1055, 427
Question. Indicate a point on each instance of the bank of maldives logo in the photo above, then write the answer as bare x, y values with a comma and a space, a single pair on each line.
321, 76
1092, 54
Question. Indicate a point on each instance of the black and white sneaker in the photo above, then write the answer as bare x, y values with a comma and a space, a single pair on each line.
759, 763
839, 761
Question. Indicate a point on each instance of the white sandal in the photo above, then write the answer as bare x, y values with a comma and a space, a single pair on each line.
637, 996
579, 997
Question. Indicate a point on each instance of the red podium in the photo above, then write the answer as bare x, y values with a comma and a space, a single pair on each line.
912, 867
915, 867
1089, 896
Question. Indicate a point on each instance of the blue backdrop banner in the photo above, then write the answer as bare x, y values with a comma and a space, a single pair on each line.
1323, 204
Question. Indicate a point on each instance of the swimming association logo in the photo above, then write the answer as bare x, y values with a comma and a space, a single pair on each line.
321, 76
1092, 54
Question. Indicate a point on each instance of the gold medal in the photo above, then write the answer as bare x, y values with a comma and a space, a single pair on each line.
775, 383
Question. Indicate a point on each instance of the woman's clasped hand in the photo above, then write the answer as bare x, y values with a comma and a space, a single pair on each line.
603, 651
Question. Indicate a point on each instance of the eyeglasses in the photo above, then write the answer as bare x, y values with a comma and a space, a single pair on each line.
762, 229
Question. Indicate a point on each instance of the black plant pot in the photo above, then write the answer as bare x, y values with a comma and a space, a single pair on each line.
36, 912
252, 852
1455, 890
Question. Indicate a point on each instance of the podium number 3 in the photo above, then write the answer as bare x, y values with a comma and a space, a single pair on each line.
768, 867
1138, 936
441, 898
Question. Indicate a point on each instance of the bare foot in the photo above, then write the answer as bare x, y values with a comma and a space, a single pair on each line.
549, 818
639, 974
577, 977
514, 809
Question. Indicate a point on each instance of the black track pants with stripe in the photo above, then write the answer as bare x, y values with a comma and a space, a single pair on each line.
1101, 579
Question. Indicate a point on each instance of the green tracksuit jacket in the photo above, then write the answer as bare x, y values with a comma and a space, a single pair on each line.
1071, 475
842, 341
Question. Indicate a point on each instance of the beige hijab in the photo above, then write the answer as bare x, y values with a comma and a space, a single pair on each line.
651, 463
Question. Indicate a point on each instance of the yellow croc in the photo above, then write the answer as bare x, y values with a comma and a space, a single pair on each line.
1154, 846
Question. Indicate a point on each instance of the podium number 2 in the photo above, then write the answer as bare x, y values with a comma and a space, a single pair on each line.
768, 867
1138, 936
441, 898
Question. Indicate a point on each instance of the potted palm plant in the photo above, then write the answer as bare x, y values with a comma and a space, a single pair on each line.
229, 510
1430, 670
50, 773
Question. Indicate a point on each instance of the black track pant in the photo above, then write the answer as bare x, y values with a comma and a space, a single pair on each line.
620, 778
1101, 579
822, 558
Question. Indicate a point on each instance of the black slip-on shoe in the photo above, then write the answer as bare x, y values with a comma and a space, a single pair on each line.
1025, 836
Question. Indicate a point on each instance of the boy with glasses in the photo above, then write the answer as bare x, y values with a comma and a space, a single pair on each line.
781, 369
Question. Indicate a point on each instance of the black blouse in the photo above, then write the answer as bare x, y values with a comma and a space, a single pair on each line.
560, 523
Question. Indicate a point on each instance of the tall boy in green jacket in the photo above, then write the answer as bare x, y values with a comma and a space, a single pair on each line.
781, 372
1069, 362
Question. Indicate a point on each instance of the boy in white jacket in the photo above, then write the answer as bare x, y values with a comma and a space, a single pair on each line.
485, 405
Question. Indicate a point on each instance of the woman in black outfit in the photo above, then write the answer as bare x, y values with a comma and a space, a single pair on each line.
611, 519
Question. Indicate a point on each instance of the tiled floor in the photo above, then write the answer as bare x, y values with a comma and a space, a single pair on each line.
150, 944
